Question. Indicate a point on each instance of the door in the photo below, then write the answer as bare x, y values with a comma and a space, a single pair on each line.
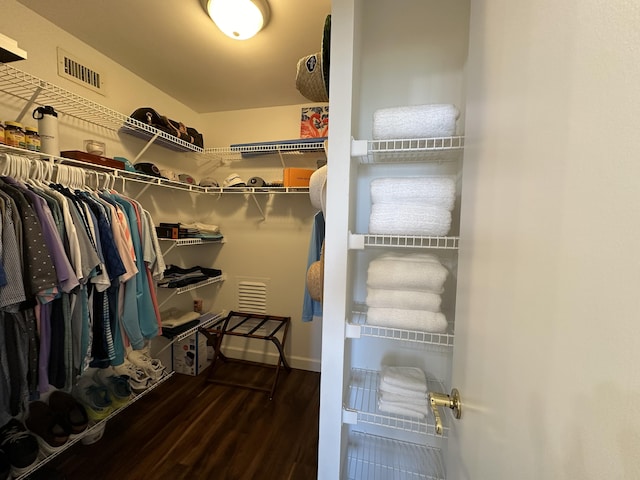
547, 355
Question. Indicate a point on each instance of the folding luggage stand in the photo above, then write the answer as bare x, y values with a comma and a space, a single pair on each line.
248, 325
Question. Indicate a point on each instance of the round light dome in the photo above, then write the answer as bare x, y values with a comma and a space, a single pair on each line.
239, 19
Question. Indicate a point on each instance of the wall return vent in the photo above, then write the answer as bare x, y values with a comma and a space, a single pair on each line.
77, 71
252, 296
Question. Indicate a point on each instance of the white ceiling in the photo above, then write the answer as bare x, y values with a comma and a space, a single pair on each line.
174, 45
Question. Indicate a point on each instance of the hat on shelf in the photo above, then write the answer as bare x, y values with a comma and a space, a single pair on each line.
209, 182
186, 178
148, 169
169, 174
233, 180
312, 73
256, 182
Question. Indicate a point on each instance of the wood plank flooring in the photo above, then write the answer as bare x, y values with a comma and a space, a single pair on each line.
190, 429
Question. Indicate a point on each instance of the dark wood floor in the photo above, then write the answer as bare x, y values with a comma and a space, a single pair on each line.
189, 429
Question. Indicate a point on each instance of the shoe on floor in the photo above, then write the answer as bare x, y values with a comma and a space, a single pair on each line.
152, 366
20, 447
69, 410
95, 398
138, 378
50, 429
118, 385
5, 466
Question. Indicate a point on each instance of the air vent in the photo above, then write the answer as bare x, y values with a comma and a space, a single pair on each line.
77, 71
252, 296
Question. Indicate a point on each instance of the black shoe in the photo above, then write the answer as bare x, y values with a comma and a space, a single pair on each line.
20, 446
5, 466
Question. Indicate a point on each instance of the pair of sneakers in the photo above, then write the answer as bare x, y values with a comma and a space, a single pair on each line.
18, 449
151, 366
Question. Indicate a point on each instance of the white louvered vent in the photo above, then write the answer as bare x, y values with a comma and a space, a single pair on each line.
77, 71
252, 296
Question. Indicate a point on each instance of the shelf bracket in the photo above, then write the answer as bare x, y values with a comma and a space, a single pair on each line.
356, 241
255, 200
29, 104
144, 149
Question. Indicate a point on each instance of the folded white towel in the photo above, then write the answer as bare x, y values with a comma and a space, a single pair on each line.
408, 219
408, 378
407, 272
410, 299
176, 320
398, 408
417, 121
438, 191
416, 399
420, 320
410, 395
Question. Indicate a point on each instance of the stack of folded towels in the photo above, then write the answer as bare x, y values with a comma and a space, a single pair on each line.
415, 121
403, 391
405, 291
412, 206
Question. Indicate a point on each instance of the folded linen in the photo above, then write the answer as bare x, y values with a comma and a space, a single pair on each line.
416, 121
410, 299
420, 320
398, 408
416, 399
408, 219
412, 379
175, 320
414, 271
438, 191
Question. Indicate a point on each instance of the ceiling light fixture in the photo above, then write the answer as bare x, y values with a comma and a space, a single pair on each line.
238, 19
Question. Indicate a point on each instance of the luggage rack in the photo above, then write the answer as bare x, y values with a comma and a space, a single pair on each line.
248, 325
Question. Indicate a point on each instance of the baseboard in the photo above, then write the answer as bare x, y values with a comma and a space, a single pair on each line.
301, 363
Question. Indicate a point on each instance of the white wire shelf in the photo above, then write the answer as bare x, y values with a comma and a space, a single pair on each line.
359, 241
195, 286
36, 91
252, 151
362, 406
358, 327
94, 428
380, 458
437, 149
183, 242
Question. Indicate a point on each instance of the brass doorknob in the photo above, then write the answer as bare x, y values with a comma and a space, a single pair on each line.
443, 400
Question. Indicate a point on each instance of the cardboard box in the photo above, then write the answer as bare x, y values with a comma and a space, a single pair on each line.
191, 355
297, 177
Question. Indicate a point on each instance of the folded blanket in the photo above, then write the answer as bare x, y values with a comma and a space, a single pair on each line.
437, 191
420, 320
417, 121
409, 219
408, 378
410, 299
414, 271
398, 408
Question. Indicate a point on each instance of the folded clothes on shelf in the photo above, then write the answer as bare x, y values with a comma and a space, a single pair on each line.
175, 276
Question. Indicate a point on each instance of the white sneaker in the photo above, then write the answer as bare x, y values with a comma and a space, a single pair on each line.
138, 378
152, 366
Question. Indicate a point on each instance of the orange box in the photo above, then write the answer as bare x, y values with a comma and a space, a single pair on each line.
297, 177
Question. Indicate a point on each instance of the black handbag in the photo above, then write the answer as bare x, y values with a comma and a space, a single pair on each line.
150, 117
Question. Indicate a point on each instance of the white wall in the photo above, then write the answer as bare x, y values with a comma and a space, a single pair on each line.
274, 248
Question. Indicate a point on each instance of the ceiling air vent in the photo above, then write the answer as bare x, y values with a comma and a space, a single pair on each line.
252, 296
77, 71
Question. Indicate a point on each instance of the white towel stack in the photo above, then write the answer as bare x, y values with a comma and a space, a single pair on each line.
403, 391
415, 121
404, 291
412, 206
